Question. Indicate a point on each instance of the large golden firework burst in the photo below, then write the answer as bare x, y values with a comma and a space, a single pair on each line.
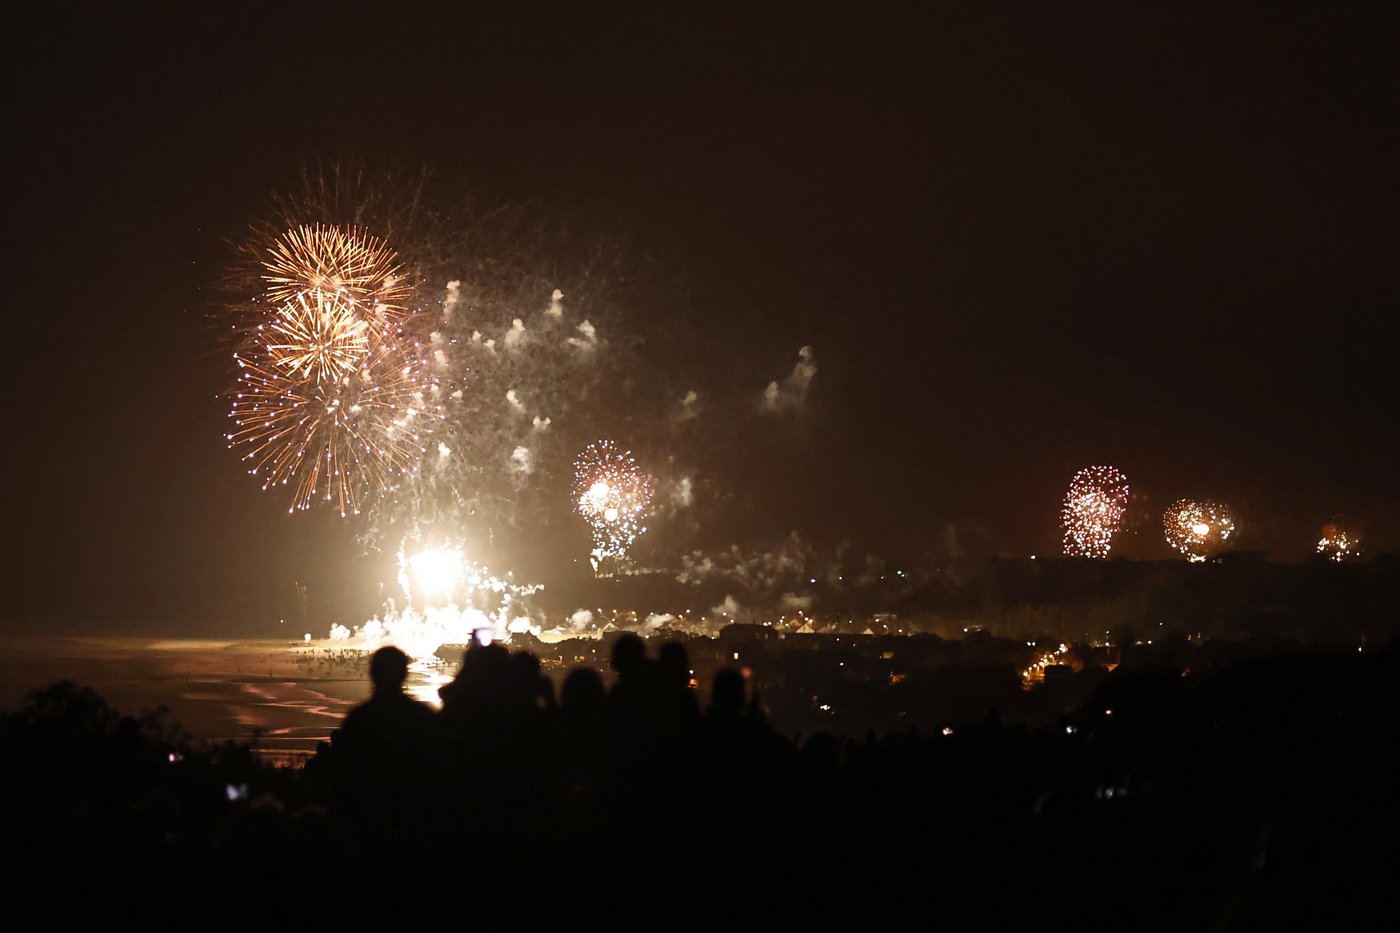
340, 440
363, 269
317, 335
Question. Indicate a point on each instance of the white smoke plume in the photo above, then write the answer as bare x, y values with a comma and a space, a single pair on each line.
522, 461
556, 305
791, 562
514, 400
687, 408
790, 393
589, 340
449, 301
516, 335
581, 619
729, 608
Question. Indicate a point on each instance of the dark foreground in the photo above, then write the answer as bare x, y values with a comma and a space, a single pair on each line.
1259, 796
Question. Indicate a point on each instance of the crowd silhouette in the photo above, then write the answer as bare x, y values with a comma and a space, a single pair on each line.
1260, 798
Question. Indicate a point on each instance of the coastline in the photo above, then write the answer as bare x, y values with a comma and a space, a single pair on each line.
262, 691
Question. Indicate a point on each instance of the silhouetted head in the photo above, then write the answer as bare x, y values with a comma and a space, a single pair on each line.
675, 662
388, 668
629, 654
821, 750
525, 682
485, 667
582, 690
727, 693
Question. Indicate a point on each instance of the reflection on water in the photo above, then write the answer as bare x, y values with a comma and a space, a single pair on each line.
284, 697
424, 680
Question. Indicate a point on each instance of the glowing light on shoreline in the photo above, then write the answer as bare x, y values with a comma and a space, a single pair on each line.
437, 572
1196, 528
613, 495
450, 599
1093, 511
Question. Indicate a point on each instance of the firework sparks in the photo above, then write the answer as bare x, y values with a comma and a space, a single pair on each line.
342, 440
1196, 528
1337, 543
613, 496
451, 601
318, 335
360, 268
1093, 510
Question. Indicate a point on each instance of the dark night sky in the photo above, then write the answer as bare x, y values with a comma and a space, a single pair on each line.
1020, 239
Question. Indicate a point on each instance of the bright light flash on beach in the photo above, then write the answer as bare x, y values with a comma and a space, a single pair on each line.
436, 570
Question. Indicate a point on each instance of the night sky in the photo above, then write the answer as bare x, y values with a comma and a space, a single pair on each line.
1019, 239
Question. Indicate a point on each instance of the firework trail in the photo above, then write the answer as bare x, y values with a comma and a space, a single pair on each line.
613, 495
1093, 511
1196, 528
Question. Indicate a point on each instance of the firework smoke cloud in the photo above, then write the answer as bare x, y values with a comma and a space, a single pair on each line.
790, 393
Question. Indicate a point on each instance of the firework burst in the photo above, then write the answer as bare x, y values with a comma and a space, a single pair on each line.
1337, 543
343, 440
318, 335
613, 495
360, 268
1093, 511
1196, 528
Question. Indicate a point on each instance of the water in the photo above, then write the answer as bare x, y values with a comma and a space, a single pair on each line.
284, 696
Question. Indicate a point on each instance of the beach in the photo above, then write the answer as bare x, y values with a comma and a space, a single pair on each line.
283, 696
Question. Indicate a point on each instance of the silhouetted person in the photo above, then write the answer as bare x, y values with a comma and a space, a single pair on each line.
678, 702
496, 716
382, 757
632, 686
391, 730
748, 757
580, 751
583, 694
